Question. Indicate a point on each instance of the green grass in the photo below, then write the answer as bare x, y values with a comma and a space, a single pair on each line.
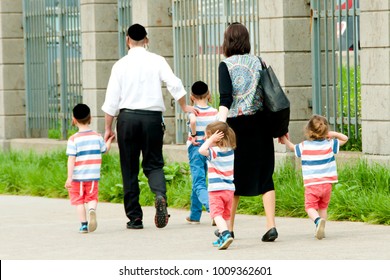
362, 194
347, 106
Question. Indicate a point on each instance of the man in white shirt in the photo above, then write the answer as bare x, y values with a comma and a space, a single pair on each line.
135, 97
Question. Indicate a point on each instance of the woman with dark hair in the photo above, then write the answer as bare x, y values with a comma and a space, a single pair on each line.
242, 109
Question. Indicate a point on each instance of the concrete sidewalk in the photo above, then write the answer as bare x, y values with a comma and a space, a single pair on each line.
35, 228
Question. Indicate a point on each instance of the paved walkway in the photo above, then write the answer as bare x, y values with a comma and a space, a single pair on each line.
35, 228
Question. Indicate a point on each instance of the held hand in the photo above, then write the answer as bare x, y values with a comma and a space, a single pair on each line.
109, 142
193, 141
190, 109
282, 139
111, 138
109, 134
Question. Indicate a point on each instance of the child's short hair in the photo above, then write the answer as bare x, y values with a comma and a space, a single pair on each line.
82, 113
229, 137
317, 128
199, 90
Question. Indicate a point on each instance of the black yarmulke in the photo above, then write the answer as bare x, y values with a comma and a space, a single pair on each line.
199, 88
81, 111
137, 32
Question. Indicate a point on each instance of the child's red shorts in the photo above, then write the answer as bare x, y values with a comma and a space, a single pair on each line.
83, 192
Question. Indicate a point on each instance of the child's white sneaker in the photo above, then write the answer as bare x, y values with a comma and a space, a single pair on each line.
320, 229
92, 225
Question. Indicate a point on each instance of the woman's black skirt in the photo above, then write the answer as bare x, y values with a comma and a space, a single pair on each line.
254, 157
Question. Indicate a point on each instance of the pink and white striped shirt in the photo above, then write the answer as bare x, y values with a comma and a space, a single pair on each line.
87, 147
220, 169
318, 161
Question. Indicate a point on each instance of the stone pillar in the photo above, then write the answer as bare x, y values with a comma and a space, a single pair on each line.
155, 16
286, 45
375, 77
12, 96
99, 37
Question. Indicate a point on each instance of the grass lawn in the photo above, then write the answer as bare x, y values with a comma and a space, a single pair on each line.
362, 193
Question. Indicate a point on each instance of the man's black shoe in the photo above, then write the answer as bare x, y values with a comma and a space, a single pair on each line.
161, 217
135, 224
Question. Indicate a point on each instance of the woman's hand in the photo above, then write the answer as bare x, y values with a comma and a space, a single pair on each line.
281, 140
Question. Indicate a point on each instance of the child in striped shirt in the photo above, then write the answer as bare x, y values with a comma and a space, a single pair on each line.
200, 97
219, 151
318, 167
84, 151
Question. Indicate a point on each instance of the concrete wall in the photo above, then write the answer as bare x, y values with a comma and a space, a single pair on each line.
285, 41
12, 101
375, 77
99, 37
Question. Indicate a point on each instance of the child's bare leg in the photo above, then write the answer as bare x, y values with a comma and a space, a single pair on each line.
323, 213
81, 212
313, 214
221, 223
92, 205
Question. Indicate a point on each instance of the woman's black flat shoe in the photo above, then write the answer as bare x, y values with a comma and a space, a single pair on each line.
270, 235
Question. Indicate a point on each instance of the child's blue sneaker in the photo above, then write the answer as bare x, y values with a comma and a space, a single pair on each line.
217, 242
224, 241
84, 229
217, 233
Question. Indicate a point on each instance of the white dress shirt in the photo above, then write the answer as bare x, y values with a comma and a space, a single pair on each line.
136, 80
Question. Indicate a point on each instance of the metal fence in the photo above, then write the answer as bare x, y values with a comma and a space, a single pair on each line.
124, 21
335, 63
198, 35
53, 55
52, 63
198, 28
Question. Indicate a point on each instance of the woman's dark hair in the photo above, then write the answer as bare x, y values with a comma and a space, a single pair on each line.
236, 40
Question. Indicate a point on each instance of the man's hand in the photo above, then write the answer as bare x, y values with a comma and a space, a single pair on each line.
190, 109
109, 135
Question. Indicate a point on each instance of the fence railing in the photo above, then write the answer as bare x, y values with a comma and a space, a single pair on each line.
52, 39
53, 55
198, 28
124, 21
335, 63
